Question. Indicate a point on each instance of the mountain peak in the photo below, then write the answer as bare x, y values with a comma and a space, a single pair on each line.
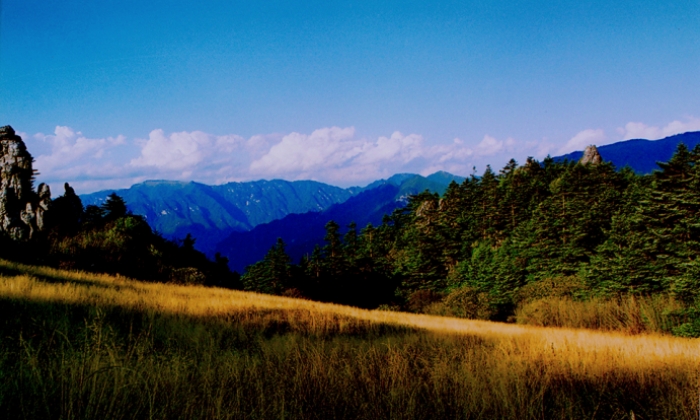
445, 177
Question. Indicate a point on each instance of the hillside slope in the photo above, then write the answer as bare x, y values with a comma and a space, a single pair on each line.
83, 346
640, 155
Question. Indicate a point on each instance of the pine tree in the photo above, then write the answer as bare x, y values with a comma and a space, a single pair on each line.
351, 247
421, 262
571, 222
674, 214
333, 258
627, 261
114, 207
272, 274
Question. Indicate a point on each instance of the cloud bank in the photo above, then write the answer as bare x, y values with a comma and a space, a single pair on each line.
638, 130
335, 155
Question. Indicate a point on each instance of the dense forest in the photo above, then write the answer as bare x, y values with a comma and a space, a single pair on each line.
564, 229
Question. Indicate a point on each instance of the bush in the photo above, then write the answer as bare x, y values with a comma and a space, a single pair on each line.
632, 314
562, 287
419, 300
465, 302
187, 275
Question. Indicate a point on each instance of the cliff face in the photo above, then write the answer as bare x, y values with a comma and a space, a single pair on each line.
22, 210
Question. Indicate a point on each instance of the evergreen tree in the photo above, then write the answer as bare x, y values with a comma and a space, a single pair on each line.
333, 262
272, 274
93, 215
114, 207
627, 261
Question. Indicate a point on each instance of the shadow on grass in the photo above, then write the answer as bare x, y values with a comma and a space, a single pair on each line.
73, 361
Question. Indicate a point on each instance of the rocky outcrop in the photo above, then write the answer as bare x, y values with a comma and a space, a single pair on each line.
591, 156
22, 210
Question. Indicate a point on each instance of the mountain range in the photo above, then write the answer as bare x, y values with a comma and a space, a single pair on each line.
211, 213
242, 220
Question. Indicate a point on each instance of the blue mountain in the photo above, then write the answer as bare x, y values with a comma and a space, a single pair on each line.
301, 232
211, 213
640, 155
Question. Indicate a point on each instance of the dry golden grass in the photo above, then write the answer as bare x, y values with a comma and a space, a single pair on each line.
466, 368
104, 290
631, 314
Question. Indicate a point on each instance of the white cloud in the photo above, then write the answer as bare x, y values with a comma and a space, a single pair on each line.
638, 130
303, 154
69, 156
181, 151
68, 147
582, 139
334, 155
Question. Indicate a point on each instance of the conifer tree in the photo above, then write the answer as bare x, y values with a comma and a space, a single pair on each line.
114, 207
272, 274
333, 258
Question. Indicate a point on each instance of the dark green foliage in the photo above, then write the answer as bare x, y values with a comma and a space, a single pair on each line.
613, 232
272, 274
66, 212
114, 207
92, 215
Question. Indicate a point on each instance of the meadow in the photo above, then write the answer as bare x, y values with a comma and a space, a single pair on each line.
75, 345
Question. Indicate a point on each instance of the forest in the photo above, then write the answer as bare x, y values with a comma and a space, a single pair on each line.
496, 243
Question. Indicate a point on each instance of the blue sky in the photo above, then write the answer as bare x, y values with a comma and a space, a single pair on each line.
108, 93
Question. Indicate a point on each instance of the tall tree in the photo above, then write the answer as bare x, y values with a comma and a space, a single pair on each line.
272, 274
114, 207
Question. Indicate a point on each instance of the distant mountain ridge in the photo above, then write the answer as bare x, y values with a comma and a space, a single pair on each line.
210, 213
639, 154
301, 232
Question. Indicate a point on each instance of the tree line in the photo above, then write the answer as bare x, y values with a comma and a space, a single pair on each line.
580, 230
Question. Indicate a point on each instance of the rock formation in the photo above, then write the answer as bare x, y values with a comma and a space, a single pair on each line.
22, 211
591, 156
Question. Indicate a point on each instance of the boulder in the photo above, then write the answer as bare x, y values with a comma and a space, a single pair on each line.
591, 156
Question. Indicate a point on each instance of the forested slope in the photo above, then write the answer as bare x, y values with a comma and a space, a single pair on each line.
497, 241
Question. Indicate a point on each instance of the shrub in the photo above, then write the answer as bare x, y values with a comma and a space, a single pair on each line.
419, 300
187, 275
465, 302
629, 313
566, 286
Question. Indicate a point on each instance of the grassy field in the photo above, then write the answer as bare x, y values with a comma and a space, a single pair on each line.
77, 345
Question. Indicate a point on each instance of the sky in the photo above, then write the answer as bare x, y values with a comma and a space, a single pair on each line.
110, 93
